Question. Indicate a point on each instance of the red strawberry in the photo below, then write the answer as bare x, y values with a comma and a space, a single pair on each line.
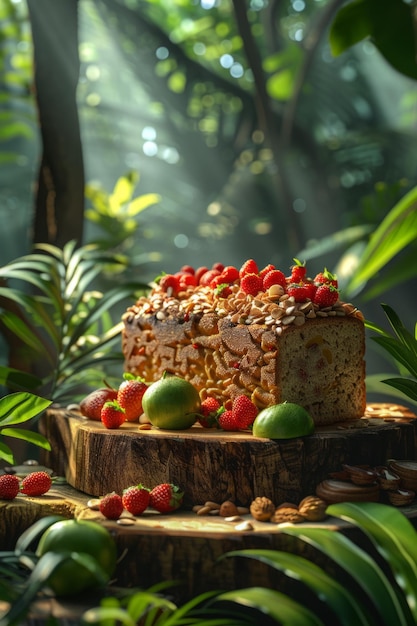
136, 499
129, 396
326, 295
187, 269
36, 484
229, 274
244, 411
200, 271
274, 277
228, 421
208, 276
166, 498
169, 283
298, 291
9, 486
249, 267
298, 271
186, 280
223, 290
218, 266
111, 505
326, 277
209, 410
112, 414
251, 284
91, 405
311, 289
266, 269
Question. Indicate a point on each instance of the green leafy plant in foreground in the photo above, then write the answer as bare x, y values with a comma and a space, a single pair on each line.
402, 346
50, 303
383, 593
15, 409
379, 586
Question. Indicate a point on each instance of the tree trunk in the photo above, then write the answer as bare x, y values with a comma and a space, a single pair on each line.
59, 209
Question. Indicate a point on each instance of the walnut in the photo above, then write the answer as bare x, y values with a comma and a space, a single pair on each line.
287, 514
313, 509
287, 505
262, 509
228, 508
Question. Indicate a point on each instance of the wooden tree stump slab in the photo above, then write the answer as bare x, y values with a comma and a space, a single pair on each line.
179, 546
214, 465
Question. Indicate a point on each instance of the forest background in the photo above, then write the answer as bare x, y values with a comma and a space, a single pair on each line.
188, 132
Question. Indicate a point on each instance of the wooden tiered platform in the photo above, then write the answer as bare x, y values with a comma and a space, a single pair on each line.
209, 464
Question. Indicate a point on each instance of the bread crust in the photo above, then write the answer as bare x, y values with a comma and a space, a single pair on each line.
318, 363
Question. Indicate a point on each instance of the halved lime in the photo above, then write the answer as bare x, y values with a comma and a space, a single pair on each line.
283, 421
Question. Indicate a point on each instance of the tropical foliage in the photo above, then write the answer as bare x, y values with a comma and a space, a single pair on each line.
16, 409
378, 583
379, 589
64, 326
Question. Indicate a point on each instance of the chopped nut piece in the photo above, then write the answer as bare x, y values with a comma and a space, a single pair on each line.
262, 509
244, 526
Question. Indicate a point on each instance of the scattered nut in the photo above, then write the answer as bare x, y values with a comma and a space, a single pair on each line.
287, 514
244, 526
242, 510
94, 504
287, 505
262, 509
197, 507
227, 509
233, 518
204, 510
313, 509
212, 505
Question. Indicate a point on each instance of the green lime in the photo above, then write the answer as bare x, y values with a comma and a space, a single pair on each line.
171, 403
70, 536
283, 421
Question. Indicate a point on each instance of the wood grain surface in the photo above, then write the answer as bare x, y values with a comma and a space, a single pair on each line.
213, 465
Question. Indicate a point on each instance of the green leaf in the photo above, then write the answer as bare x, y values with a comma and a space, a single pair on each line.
362, 568
107, 615
399, 352
274, 604
6, 453
18, 381
400, 330
386, 22
31, 535
141, 203
339, 239
351, 25
19, 407
19, 328
403, 270
406, 386
27, 435
397, 230
375, 385
393, 536
339, 599
37, 580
